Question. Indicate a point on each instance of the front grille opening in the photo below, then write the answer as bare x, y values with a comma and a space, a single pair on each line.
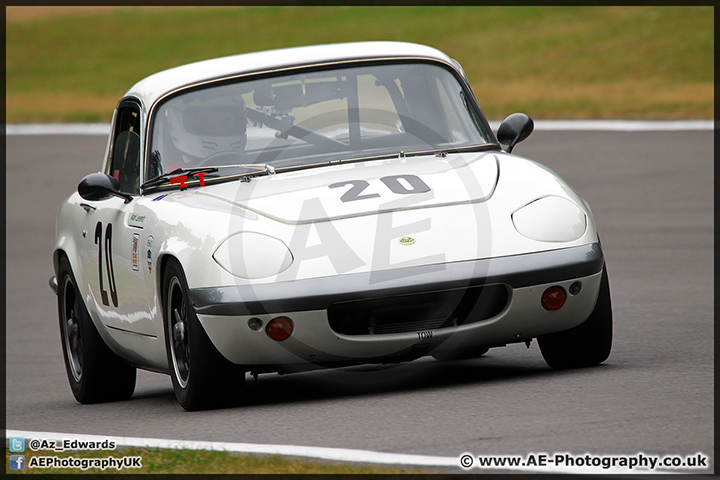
418, 311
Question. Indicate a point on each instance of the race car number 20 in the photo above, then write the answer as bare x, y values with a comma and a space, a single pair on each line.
108, 263
399, 184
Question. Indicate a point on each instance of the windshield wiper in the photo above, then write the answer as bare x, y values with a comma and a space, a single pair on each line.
438, 152
269, 169
186, 172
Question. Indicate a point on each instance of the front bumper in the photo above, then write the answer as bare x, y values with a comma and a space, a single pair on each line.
225, 311
319, 293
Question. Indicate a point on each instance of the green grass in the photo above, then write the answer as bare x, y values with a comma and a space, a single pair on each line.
206, 462
551, 62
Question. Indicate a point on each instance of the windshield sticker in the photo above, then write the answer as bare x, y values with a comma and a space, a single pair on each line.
150, 241
134, 251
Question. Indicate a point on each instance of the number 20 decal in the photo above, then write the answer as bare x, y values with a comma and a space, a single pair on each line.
416, 185
108, 263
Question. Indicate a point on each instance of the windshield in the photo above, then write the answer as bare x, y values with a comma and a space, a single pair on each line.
296, 120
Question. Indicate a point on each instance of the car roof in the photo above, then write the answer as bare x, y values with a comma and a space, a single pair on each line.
156, 86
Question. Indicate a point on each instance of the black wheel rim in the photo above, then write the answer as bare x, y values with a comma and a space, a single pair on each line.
72, 336
177, 332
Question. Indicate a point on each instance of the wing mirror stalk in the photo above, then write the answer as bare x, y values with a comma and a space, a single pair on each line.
514, 129
100, 186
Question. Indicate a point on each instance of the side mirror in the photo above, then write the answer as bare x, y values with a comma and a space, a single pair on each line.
99, 186
514, 129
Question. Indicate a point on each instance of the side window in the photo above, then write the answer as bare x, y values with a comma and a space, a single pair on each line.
125, 155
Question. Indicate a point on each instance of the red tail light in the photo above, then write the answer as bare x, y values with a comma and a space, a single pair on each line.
279, 328
553, 298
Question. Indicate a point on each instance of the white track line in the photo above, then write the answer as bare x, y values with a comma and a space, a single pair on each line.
337, 454
322, 453
540, 125
58, 129
622, 125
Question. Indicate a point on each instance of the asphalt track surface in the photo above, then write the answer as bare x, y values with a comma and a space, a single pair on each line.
652, 196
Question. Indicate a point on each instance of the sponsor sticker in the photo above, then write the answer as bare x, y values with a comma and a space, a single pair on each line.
134, 251
406, 240
150, 241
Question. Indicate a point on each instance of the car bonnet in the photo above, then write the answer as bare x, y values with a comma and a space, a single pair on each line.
365, 188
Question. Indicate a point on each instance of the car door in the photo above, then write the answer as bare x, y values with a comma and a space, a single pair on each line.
112, 235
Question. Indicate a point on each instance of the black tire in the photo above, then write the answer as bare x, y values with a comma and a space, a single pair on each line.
587, 344
95, 373
460, 354
202, 378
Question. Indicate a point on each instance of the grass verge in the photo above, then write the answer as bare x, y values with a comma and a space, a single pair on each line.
68, 64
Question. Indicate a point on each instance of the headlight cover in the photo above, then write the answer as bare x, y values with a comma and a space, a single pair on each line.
550, 219
253, 255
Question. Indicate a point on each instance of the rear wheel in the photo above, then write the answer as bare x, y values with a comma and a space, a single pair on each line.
95, 373
202, 378
587, 344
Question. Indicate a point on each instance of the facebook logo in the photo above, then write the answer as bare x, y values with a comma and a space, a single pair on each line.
17, 444
17, 462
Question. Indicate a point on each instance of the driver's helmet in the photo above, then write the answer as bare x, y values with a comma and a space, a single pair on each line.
201, 127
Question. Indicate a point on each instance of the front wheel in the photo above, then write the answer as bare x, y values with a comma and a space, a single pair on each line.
95, 373
587, 344
202, 378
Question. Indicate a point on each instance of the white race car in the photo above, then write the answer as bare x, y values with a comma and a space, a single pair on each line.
317, 207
